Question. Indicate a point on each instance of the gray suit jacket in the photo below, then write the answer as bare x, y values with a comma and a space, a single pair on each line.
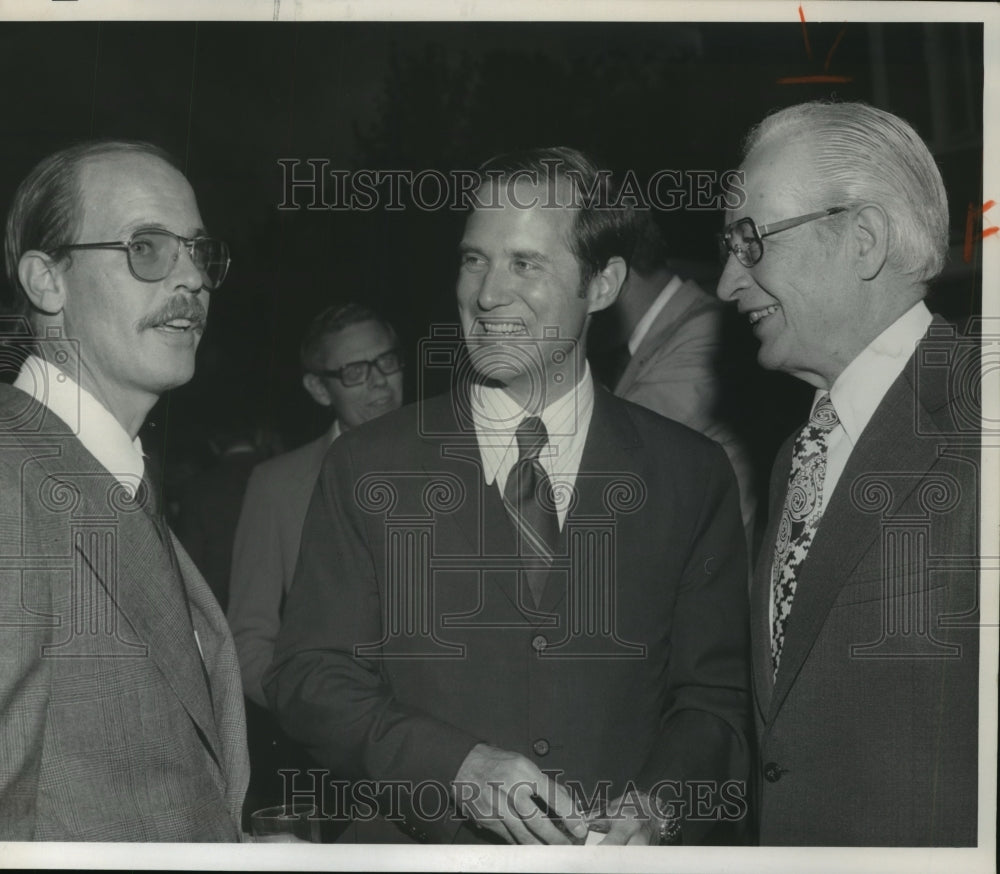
673, 373
869, 735
110, 727
264, 553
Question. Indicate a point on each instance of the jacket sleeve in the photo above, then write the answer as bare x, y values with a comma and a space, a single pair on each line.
704, 740
337, 704
256, 585
24, 675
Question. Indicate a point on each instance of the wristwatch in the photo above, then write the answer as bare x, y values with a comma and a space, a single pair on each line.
668, 831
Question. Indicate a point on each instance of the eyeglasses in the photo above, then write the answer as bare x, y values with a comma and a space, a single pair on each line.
745, 240
153, 252
357, 372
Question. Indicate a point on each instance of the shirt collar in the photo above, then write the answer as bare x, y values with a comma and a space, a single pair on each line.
859, 389
101, 434
648, 317
496, 417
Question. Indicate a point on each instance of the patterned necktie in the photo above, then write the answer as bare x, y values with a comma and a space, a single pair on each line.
800, 515
530, 502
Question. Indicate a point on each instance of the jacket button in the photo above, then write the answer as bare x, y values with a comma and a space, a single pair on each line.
539, 642
773, 772
541, 747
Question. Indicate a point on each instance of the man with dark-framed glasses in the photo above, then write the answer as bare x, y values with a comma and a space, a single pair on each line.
864, 605
120, 709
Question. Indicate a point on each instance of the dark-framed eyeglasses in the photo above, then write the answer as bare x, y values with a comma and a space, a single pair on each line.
153, 252
744, 239
357, 372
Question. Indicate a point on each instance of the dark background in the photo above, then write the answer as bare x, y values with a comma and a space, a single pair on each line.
232, 99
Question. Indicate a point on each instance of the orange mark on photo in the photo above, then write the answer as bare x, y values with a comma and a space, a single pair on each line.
971, 238
825, 77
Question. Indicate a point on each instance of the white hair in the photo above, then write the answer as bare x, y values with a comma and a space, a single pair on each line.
860, 154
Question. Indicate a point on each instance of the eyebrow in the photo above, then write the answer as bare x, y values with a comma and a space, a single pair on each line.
135, 227
529, 255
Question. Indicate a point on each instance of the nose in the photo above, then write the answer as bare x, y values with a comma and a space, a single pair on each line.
186, 275
376, 378
734, 277
493, 291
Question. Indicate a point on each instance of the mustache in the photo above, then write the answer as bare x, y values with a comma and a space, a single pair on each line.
177, 308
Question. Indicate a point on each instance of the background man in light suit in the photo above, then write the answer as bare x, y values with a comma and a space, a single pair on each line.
475, 674
120, 709
865, 657
347, 336
673, 331
350, 364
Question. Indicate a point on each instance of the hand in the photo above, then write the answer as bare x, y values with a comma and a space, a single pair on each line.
633, 821
499, 790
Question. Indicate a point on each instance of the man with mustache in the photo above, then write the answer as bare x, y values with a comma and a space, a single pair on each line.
121, 714
525, 600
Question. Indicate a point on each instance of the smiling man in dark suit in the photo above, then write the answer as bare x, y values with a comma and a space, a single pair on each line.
526, 593
121, 717
864, 606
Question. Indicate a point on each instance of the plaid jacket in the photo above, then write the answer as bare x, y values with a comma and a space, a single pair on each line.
112, 726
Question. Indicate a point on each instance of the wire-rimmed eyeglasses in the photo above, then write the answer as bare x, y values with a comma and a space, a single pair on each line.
153, 252
357, 372
744, 239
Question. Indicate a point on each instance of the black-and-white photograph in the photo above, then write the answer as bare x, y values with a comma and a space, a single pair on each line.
489, 438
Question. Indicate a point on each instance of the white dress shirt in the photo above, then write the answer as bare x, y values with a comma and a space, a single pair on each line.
100, 432
861, 386
648, 317
497, 416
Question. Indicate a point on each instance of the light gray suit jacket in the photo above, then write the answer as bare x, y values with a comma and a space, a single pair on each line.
111, 729
264, 554
673, 373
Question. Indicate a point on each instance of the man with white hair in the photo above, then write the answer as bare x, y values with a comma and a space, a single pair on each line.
864, 605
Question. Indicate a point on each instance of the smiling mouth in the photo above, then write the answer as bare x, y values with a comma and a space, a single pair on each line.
499, 328
756, 316
180, 326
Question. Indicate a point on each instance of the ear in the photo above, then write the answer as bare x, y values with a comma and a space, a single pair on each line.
604, 288
41, 278
317, 391
869, 240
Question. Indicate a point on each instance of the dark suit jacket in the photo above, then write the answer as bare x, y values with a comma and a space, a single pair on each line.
108, 728
869, 736
406, 641
674, 373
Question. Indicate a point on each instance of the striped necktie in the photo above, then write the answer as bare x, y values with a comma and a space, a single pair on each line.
530, 502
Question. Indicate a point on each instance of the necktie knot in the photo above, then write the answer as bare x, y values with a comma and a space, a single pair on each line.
531, 438
824, 415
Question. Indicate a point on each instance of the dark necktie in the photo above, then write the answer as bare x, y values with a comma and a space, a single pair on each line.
800, 516
530, 501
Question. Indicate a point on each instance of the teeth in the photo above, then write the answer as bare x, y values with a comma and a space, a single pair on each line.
502, 328
182, 324
757, 315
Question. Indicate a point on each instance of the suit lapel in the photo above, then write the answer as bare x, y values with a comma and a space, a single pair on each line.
846, 533
128, 561
223, 671
609, 447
